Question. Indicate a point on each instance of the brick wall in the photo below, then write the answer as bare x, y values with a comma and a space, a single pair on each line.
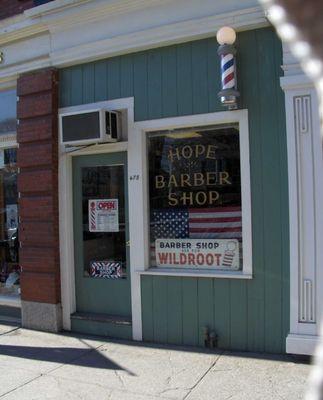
38, 186
8, 8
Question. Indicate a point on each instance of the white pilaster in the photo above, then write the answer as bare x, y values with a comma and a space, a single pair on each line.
305, 172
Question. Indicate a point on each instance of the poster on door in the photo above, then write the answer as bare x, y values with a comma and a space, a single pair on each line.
103, 215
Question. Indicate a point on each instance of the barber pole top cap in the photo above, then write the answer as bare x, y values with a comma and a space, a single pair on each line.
226, 35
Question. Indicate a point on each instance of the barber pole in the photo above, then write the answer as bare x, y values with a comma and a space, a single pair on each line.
228, 71
228, 95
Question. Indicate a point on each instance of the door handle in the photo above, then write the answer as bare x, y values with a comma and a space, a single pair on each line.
128, 243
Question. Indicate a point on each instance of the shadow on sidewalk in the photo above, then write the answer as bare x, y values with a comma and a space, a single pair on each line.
88, 357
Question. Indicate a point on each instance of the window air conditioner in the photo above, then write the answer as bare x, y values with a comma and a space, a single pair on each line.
90, 126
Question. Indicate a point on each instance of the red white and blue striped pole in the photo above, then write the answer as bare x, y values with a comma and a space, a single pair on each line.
226, 36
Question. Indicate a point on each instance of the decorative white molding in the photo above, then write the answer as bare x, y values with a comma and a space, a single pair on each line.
305, 172
20, 31
160, 36
307, 302
301, 81
69, 32
302, 344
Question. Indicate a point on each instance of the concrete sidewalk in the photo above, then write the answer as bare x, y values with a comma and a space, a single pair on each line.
37, 365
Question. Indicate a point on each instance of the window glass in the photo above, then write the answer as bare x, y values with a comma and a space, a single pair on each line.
9, 242
8, 111
104, 228
195, 198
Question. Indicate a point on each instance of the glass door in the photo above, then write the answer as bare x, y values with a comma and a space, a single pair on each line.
102, 274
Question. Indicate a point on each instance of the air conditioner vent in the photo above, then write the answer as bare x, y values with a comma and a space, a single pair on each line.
90, 126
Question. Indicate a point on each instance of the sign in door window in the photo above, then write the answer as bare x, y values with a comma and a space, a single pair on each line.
104, 224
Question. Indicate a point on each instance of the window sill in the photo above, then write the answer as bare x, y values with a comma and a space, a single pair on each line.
194, 273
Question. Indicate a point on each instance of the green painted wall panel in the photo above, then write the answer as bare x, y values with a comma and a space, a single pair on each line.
205, 307
238, 315
126, 76
147, 308
161, 308
174, 311
100, 81
181, 80
222, 312
184, 79
113, 78
88, 83
77, 85
190, 311
169, 81
154, 74
140, 83
249, 98
200, 77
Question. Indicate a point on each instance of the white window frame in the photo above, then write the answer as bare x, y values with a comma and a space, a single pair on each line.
139, 196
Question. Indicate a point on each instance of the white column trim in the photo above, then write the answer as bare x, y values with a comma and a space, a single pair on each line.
305, 172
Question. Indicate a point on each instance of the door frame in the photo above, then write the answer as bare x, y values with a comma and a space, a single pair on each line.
65, 187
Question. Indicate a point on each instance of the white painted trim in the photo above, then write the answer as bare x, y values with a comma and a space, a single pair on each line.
305, 172
66, 216
302, 344
193, 273
138, 145
296, 82
165, 35
76, 16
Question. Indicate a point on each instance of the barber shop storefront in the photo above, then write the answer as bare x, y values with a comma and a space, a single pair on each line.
152, 189
176, 220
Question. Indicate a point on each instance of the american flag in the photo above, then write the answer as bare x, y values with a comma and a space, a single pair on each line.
195, 223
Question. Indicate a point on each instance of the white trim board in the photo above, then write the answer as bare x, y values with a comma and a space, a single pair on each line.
302, 344
305, 171
140, 199
75, 32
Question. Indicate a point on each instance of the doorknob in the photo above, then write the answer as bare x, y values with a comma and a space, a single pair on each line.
128, 243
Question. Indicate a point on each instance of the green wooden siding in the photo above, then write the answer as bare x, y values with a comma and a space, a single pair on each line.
181, 80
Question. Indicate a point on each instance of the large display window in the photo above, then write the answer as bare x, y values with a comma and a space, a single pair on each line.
195, 198
9, 241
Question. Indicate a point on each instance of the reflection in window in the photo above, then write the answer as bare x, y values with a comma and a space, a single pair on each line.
8, 111
195, 198
9, 243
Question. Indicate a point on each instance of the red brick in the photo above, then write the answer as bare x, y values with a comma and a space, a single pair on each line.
37, 82
36, 181
35, 105
38, 186
40, 208
35, 129
36, 154
34, 233
39, 259
40, 287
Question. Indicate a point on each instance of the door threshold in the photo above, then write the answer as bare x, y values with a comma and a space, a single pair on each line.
114, 319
